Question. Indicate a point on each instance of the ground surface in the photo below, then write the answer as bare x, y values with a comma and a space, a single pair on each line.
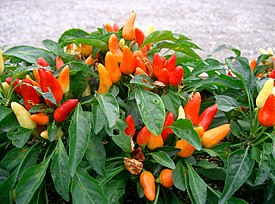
246, 24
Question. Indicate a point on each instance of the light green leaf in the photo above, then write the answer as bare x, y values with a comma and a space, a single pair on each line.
143, 80
226, 103
178, 176
19, 136
163, 159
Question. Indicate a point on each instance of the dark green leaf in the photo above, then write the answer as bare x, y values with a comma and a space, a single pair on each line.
86, 189
79, 132
143, 80
157, 36
163, 159
40, 196
115, 189
217, 173
178, 176
60, 171
54, 47
171, 151
4, 112
30, 181
183, 128
96, 155
4, 174
239, 167
27, 53
226, 47
226, 103
52, 131
79, 82
109, 106
171, 102
19, 136
264, 169
99, 120
151, 109
6, 188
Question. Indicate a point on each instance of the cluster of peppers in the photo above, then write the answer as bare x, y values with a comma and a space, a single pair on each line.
32, 92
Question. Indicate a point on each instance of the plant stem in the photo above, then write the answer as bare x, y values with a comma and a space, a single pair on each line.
261, 140
238, 145
157, 195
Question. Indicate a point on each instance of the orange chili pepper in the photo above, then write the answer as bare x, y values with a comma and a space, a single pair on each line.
113, 45
109, 27
112, 67
36, 75
253, 64
166, 178
34, 83
154, 141
58, 63
86, 50
186, 148
215, 135
192, 108
64, 79
139, 36
89, 60
127, 63
105, 81
128, 31
147, 182
139, 71
40, 118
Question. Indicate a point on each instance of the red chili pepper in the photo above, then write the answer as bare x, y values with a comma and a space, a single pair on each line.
58, 63
171, 63
207, 116
169, 120
143, 136
15, 84
266, 115
176, 76
131, 128
47, 80
62, 112
29, 94
272, 73
158, 63
139, 36
115, 27
164, 76
139, 63
229, 73
192, 108
42, 62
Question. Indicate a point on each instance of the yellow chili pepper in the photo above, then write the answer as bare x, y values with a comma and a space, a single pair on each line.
1, 62
45, 134
181, 113
5, 86
264, 93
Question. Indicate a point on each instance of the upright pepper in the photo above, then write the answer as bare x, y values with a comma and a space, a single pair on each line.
147, 182
128, 31
266, 115
157, 64
139, 36
215, 135
131, 128
36, 75
23, 116
140, 71
42, 62
105, 81
58, 63
166, 178
112, 67
176, 76
34, 83
115, 27
64, 79
171, 63
62, 112
16, 84
169, 120
113, 45
154, 141
86, 50
139, 63
264, 93
109, 27
1, 62
143, 136
29, 94
164, 76
207, 116
181, 113
89, 60
253, 64
40, 118
192, 108
127, 63
5, 87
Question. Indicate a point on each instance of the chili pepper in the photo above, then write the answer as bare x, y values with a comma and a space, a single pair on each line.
5, 86
215, 135
64, 79
171, 63
264, 93
176, 76
207, 116
143, 136
47, 80
140, 71
112, 67
166, 178
115, 27
199, 130
34, 83
266, 115
154, 141
113, 45
181, 113
29, 94
186, 148
131, 128
36, 75
128, 31
45, 134
164, 76
127, 63
58, 63
105, 81
229, 73
40, 118
1, 62
139, 36
150, 29
157, 64
169, 120
62, 112
42, 62
272, 73
86, 50
147, 182
23, 116
139, 63
192, 108
109, 27
15, 84
253, 64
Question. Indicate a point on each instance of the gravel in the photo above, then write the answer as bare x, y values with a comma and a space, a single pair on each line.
247, 25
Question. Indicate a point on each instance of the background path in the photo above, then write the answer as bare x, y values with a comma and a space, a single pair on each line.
244, 24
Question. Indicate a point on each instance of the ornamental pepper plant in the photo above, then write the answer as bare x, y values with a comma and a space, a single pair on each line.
121, 115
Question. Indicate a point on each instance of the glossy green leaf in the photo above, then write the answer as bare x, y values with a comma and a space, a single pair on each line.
60, 171
183, 128
4, 112
197, 185
239, 167
6, 188
171, 102
54, 47
143, 80
163, 159
109, 106
178, 176
226, 103
52, 131
151, 109
79, 132
30, 181
40, 196
19, 136
157, 36
96, 155
264, 169
27, 53
99, 120
86, 189
115, 189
